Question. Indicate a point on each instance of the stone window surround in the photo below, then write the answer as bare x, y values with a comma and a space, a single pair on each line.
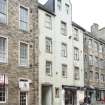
19, 54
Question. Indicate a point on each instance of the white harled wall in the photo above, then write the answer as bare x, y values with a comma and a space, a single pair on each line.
56, 80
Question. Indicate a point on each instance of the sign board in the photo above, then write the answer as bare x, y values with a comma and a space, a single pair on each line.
24, 85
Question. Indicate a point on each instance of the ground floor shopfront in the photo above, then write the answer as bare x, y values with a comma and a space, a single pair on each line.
64, 95
96, 94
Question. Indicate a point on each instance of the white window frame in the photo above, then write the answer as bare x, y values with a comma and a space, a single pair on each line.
50, 40
76, 34
6, 94
64, 51
27, 96
76, 54
90, 59
67, 8
50, 72
59, 4
63, 28
19, 53
90, 43
20, 5
75, 73
6, 49
65, 70
50, 22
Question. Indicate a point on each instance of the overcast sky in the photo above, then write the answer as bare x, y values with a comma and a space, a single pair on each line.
87, 12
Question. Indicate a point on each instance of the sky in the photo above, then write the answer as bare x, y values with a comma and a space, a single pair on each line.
87, 12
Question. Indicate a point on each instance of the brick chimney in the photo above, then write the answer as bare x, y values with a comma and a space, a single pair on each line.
94, 29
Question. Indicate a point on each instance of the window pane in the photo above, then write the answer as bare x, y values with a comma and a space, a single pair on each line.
23, 25
64, 50
23, 18
63, 28
76, 35
2, 93
48, 45
23, 54
3, 6
59, 4
3, 11
23, 98
2, 49
67, 8
76, 73
64, 70
48, 21
49, 68
76, 54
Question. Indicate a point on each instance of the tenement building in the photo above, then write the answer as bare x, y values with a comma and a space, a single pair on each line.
78, 61
94, 65
18, 52
58, 58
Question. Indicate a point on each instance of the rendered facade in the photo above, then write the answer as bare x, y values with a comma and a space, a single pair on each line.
58, 83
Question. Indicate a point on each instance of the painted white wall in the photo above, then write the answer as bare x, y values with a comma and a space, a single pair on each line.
80, 63
57, 60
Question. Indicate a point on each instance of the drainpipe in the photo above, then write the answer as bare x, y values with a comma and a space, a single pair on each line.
35, 52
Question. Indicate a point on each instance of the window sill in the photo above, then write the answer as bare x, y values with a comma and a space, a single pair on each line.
3, 63
2, 102
24, 31
3, 24
23, 66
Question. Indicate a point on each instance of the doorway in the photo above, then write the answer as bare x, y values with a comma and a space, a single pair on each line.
47, 95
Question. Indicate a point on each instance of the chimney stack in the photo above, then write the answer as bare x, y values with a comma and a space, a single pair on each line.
94, 29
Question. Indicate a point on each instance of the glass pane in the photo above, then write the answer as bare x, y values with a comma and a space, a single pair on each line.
3, 6
24, 14
23, 26
23, 54
3, 18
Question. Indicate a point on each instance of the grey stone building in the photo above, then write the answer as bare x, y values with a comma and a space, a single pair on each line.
94, 65
18, 52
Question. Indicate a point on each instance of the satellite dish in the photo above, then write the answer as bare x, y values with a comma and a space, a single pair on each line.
42, 1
